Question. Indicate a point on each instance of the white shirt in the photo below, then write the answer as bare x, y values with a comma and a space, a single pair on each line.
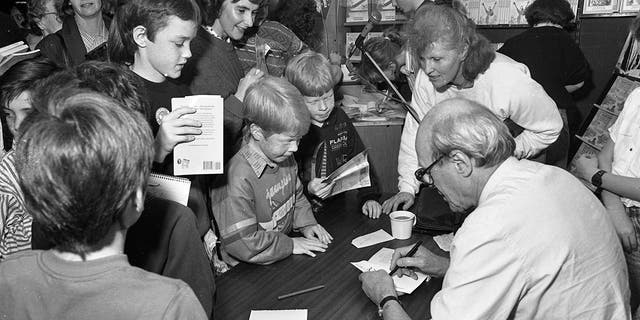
625, 133
539, 245
506, 89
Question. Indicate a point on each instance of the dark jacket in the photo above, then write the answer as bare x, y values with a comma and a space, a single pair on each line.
65, 47
339, 140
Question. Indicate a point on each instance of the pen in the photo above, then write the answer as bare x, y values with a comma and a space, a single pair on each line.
409, 254
288, 295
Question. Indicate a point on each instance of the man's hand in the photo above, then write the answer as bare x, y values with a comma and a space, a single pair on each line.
423, 260
307, 246
372, 209
174, 130
251, 77
319, 189
394, 202
625, 230
586, 167
316, 232
377, 285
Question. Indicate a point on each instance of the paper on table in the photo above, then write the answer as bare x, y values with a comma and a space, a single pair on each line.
382, 261
299, 314
444, 241
204, 155
371, 239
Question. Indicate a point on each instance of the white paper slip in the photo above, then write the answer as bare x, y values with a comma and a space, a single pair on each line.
444, 241
299, 314
382, 261
168, 187
371, 239
204, 155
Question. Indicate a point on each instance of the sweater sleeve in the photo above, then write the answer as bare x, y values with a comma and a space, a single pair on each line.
242, 236
187, 260
407, 156
302, 214
520, 98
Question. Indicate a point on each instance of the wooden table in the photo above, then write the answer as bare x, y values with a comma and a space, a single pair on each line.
252, 287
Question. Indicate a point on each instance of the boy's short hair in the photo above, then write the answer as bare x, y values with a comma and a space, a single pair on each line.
80, 167
310, 72
276, 106
24, 76
115, 81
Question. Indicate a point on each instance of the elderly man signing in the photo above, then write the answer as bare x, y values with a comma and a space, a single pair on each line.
538, 245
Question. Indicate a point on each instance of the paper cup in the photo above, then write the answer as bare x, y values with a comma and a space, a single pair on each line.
401, 224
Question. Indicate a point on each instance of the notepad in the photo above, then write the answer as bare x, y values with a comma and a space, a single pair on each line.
298, 314
382, 261
169, 188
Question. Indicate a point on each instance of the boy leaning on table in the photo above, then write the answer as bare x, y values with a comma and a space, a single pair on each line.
332, 139
264, 200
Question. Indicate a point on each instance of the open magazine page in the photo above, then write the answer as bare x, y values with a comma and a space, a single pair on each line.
354, 174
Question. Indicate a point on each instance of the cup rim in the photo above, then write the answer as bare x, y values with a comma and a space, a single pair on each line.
411, 215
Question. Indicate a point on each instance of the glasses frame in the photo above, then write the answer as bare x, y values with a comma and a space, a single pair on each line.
421, 172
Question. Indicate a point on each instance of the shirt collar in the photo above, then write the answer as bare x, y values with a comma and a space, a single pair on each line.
213, 33
256, 159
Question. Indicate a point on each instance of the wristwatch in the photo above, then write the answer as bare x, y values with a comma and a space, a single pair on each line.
383, 301
596, 179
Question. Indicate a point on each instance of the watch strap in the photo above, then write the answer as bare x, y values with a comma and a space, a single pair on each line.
596, 179
384, 301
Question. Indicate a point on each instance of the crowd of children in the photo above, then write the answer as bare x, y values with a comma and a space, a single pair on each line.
85, 222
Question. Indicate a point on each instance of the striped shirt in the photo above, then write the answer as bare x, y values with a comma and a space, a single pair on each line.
15, 222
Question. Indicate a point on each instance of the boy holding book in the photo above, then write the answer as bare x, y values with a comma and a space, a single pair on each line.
264, 200
332, 139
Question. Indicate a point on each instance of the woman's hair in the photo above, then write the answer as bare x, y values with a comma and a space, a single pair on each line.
300, 16
384, 51
555, 11
446, 25
151, 14
211, 9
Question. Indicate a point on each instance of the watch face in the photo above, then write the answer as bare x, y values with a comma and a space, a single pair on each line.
596, 180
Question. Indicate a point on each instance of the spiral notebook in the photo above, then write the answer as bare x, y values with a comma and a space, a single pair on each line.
169, 187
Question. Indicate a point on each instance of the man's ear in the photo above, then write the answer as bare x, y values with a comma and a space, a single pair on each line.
134, 209
463, 163
139, 34
256, 132
393, 66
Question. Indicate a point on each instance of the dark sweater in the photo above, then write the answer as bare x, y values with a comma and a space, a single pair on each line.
342, 142
554, 59
159, 95
214, 69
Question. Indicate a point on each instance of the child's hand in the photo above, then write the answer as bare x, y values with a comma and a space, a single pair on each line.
319, 189
252, 76
372, 209
307, 246
316, 232
173, 130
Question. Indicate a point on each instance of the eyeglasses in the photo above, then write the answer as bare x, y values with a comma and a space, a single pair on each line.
422, 172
